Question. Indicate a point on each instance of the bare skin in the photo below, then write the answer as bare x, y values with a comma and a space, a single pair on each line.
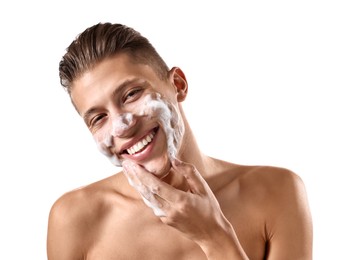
214, 209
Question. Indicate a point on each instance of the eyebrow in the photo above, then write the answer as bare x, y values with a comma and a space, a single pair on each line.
116, 92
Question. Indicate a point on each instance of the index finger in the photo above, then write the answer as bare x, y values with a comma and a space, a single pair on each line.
150, 181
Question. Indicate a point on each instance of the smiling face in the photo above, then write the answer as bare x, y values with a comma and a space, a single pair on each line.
132, 113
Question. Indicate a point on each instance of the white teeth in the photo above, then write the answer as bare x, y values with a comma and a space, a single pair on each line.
141, 144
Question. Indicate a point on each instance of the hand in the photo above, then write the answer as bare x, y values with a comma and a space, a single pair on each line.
196, 212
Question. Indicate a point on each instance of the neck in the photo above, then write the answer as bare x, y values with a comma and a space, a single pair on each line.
189, 152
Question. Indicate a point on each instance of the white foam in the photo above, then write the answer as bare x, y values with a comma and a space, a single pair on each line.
156, 210
169, 119
121, 123
148, 197
153, 107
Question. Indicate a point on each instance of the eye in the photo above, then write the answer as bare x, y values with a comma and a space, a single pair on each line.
96, 120
132, 95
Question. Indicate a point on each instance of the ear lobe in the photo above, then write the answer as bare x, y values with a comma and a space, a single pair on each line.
180, 83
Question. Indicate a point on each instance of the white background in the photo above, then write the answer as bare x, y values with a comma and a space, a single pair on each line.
270, 82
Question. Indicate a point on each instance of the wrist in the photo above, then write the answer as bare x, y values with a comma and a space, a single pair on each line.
223, 244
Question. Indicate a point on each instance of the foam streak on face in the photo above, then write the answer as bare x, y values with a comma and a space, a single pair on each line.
147, 197
152, 107
169, 119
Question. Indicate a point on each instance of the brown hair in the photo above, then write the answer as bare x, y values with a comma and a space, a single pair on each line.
104, 40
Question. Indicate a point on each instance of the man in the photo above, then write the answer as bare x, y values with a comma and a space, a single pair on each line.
171, 201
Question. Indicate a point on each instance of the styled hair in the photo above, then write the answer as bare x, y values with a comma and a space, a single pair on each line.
105, 40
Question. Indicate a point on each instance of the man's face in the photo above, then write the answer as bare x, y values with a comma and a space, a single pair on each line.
131, 113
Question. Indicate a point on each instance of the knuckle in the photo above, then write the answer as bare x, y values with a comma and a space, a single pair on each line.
155, 189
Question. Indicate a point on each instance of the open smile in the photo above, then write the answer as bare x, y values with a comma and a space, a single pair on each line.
141, 145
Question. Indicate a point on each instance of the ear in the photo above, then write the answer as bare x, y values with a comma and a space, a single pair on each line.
178, 79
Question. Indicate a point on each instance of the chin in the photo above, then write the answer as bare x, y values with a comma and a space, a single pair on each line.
159, 168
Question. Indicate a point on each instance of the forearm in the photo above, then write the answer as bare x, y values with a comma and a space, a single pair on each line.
223, 245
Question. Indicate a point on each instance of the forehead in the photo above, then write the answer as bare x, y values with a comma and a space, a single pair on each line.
118, 66
106, 76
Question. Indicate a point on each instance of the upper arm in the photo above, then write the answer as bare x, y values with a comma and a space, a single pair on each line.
64, 237
289, 230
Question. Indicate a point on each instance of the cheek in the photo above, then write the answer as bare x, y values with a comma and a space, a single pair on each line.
169, 118
174, 131
103, 139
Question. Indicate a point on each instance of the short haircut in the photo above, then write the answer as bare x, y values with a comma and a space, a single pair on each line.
102, 41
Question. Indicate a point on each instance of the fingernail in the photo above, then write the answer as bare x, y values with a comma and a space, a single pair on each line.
127, 167
127, 164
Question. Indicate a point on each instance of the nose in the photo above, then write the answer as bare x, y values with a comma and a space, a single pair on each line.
121, 124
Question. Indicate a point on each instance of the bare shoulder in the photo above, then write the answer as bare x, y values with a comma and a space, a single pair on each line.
69, 209
257, 179
278, 197
76, 203
66, 225
269, 190
270, 179
273, 202
276, 185
72, 217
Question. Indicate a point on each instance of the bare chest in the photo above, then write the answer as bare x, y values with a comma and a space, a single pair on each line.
139, 235
130, 230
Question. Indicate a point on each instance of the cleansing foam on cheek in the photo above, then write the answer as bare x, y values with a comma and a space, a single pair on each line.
152, 107
104, 143
105, 138
168, 117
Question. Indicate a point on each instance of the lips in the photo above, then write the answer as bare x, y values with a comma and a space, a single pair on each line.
141, 144
134, 147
